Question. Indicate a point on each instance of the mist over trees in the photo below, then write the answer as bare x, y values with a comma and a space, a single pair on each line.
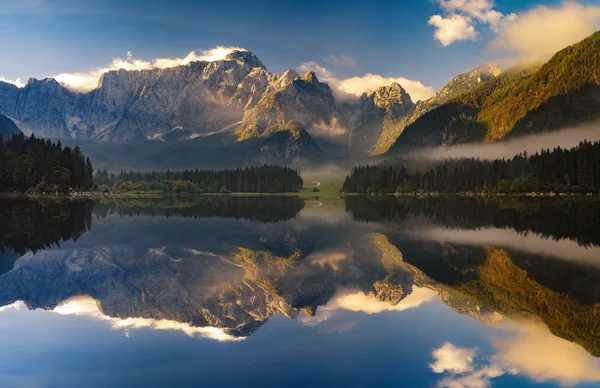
557, 170
265, 179
32, 164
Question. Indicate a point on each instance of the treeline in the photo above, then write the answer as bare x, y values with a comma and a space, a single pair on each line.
560, 170
27, 225
32, 164
251, 208
552, 218
265, 179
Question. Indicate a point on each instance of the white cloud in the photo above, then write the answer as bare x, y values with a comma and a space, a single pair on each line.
87, 306
321, 72
528, 349
537, 244
340, 60
89, 80
542, 356
355, 86
332, 129
16, 82
479, 10
14, 306
358, 85
449, 358
333, 260
480, 378
542, 31
367, 304
459, 363
461, 17
452, 28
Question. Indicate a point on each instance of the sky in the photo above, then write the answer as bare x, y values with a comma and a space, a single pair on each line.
353, 44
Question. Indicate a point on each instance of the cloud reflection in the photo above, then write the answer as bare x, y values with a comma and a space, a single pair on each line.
508, 238
528, 349
87, 306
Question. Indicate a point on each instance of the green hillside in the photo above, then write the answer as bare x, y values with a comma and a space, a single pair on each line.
564, 91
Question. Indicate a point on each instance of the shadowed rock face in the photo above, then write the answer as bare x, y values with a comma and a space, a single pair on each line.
7, 127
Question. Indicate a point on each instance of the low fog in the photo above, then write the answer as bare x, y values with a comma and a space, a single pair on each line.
565, 138
563, 249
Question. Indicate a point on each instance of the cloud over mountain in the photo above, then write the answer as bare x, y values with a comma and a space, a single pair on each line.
85, 81
542, 31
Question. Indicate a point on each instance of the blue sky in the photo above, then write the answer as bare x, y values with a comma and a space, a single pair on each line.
42, 38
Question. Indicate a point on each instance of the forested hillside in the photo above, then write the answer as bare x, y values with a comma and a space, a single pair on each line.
559, 170
563, 92
32, 164
265, 179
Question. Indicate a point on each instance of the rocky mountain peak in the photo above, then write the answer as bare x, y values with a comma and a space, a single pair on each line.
246, 57
310, 77
391, 95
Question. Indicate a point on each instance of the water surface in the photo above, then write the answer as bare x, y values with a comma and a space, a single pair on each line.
273, 291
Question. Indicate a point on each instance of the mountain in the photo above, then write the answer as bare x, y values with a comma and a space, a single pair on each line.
491, 283
166, 105
459, 85
7, 127
565, 91
376, 115
303, 101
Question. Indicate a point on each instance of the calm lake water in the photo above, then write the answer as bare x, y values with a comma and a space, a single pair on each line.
277, 291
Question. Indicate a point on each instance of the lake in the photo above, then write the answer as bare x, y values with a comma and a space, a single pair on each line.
280, 291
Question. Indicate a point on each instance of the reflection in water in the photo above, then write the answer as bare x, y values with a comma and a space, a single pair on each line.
30, 225
256, 208
86, 306
550, 218
222, 275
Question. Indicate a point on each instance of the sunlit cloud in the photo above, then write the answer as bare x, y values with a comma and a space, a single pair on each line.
18, 305
542, 356
332, 260
508, 238
87, 306
368, 304
16, 82
355, 86
320, 71
452, 28
85, 81
526, 348
332, 129
542, 31
462, 370
369, 82
460, 18
452, 359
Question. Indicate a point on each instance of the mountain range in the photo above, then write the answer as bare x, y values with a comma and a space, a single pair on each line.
234, 111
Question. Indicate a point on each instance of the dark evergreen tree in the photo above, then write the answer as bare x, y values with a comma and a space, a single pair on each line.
559, 170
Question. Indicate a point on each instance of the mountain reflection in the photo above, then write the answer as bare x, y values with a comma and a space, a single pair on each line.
209, 270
